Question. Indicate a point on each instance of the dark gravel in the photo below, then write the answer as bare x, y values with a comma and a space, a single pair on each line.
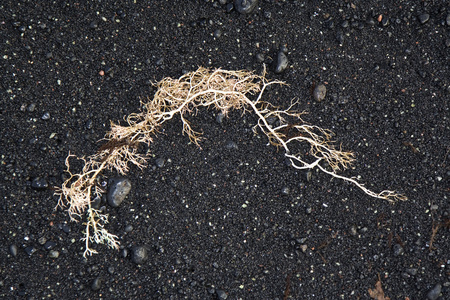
229, 222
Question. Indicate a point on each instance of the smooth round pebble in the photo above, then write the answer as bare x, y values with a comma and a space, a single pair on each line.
139, 255
217, 33
64, 227
285, 190
320, 91
230, 145
282, 62
118, 190
245, 6
221, 294
31, 107
434, 293
39, 184
160, 162
398, 250
53, 254
13, 250
219, 118
96, 284
260, 57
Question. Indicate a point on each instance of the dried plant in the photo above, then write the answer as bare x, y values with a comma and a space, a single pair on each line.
223, 90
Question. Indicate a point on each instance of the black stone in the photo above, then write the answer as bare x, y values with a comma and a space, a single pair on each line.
96, 284
423, 18
30, 250
139, 255
434, 293
39, 183
245, 6
49, 245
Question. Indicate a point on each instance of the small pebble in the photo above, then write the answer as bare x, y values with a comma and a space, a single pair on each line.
229, 7
308, 176
219, 118
159, 162
230, 145
221, 294
423, 18
118, 190
45, 116
49, 245
31, 107
284, 49
39, 184
282, 62
93, 25
88, 124
340, 37
96, 202
96, 284
370, 22
320, 91
245, 6
411, 271
53, 254
260, 57
285, 190
398, 250
13, 250
139, 255
217, 33
353, 230
30, 250
64, 227
434, 293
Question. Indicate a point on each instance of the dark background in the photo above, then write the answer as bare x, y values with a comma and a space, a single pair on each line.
388, 83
